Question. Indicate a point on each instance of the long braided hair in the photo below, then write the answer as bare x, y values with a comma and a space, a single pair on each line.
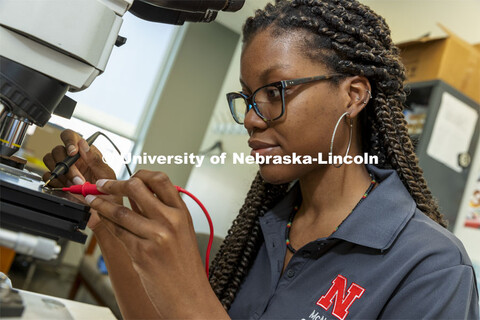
351, 39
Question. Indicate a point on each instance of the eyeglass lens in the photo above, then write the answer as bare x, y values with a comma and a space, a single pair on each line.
268, 102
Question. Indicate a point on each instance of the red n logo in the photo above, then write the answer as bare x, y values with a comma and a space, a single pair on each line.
337, 292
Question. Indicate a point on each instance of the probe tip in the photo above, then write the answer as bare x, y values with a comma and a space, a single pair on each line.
48, 181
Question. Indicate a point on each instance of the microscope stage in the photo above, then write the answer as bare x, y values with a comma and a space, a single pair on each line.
27, 207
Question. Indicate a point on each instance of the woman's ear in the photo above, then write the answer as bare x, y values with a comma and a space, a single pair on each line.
359, 92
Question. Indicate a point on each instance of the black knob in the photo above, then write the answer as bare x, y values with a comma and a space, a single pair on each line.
120, 41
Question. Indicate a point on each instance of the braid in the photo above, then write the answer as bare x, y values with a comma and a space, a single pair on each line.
351, 39
243, 240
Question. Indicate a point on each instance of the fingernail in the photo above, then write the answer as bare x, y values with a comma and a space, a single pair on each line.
90, 198
85, 147
78, 180
71, 149
101, 182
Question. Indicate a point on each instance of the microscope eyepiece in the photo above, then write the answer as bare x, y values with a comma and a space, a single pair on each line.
177, 12
198, 5
234, 5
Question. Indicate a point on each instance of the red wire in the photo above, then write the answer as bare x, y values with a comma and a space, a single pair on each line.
210, 224
88, 188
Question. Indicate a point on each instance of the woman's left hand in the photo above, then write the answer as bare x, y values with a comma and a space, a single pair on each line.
159, 236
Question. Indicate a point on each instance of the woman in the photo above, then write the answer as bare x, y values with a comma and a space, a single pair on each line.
343, 241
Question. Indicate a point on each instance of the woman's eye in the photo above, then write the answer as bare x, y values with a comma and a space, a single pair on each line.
273, 93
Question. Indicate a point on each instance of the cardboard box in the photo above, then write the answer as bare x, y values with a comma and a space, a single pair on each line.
477, 46
449, 58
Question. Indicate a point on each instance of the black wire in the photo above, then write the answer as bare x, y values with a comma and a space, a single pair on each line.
118, 151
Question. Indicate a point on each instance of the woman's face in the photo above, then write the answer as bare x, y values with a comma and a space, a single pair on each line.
311, 110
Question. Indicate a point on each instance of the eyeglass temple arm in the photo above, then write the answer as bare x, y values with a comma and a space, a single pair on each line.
289, 83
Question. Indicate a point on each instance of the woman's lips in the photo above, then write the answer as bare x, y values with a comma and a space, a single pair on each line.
260, 147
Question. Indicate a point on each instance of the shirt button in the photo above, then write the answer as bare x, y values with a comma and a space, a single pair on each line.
290, 273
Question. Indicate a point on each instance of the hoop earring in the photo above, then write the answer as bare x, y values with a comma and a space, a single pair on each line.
349, 139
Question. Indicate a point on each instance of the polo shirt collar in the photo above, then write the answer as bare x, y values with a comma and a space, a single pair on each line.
375, 222
378, 220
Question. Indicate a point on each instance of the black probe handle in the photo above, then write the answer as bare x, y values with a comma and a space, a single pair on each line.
63, 166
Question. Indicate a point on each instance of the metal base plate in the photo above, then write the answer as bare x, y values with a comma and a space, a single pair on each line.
25, 206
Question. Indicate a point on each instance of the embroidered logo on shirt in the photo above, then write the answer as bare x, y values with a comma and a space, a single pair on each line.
337, 292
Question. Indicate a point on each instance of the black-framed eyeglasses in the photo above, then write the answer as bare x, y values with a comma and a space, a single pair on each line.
268, 101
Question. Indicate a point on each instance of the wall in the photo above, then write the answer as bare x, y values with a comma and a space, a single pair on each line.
407, 18
222, 188
186, 104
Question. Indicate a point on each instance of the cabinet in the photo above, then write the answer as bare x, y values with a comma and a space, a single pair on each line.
438, 135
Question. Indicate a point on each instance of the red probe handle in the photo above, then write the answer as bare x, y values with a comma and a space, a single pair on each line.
84, 189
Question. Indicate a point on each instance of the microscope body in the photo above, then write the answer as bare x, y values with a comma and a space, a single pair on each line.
49, 47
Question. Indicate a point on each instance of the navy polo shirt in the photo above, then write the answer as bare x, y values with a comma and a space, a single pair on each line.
387, 260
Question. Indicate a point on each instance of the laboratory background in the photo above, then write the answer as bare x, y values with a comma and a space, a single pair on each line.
162, 92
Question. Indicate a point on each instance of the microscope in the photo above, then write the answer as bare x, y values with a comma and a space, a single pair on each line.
46, 49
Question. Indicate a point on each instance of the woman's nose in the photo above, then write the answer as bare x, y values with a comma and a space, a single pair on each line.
253, 121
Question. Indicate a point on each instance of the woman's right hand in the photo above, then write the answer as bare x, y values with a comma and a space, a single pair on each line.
89, 167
